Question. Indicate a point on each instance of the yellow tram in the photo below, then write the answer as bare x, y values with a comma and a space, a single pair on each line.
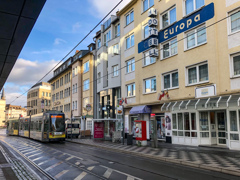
12, 127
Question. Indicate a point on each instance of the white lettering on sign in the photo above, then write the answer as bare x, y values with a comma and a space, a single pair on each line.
152, 12
181, 26
153, 32
153, 52
152, 22
153, 42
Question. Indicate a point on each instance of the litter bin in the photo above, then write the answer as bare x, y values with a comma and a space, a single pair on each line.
129, 139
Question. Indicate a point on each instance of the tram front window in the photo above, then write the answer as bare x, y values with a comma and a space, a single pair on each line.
57, 123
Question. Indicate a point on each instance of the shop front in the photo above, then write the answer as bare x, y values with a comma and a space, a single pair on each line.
212, 121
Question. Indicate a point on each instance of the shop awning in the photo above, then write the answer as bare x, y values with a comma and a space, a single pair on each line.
141, 110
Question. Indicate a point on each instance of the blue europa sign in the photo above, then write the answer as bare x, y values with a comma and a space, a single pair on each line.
183, 25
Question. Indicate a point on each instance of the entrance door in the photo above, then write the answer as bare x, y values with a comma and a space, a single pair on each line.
221, 128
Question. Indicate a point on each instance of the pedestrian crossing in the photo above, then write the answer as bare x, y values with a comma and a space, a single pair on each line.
56, 163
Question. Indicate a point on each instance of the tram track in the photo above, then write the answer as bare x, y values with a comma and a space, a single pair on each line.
42, 171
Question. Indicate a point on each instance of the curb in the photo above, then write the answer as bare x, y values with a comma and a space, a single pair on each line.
169, 160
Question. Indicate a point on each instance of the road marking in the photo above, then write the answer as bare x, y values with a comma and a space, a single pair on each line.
53, 166
30, 152
26, 150
77, 163
62, 155
108, 173
69, 158
90, 168
55, 152
61, 173
35, 154
130, 178
44, 161
128, 175
81, 176
37, 158
79, 158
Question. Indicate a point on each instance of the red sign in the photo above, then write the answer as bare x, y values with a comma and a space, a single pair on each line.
120, 102
98, 129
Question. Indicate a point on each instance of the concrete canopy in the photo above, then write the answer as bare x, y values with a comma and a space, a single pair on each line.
17, 18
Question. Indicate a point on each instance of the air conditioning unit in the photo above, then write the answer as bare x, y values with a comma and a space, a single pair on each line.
116, 51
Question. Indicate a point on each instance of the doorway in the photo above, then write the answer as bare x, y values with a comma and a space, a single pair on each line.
221, 123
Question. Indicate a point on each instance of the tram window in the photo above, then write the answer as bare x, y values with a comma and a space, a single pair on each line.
57, 123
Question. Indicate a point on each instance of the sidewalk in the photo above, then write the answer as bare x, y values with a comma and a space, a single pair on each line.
215, 159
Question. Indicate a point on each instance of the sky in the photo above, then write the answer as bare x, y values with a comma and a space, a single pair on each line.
59, 27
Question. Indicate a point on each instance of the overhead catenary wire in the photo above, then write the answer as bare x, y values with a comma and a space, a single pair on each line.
158, 51
73, 47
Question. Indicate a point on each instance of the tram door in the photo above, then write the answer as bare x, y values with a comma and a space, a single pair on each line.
221, 128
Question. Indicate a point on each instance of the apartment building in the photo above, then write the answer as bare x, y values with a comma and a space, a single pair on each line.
2, 109
182, 69
108, 77
61, 84
39, 98
82, 86
14, 112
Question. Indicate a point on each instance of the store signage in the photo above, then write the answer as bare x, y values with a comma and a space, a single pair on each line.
152, 12
88, 107
57, 103
152, 22
153, 32
183, 25
119, 110
153, 52
153, 42
98, 129
205, 91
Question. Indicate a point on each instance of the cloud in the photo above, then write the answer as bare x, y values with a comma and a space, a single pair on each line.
76, 27
58, 41
101, 9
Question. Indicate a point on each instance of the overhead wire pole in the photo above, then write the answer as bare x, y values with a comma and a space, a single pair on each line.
136, 60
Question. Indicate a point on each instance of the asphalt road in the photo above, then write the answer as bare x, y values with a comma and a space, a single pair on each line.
73, 161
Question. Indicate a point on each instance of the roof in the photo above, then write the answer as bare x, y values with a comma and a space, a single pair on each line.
17, 18
126, 8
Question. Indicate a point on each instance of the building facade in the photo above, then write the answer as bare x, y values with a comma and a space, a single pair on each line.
182, 69
14, 112
2, 109
39, 98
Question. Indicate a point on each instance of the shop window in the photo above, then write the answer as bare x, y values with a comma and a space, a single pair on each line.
170, 80
169, 48
169, 17
204, 124
147, 4
186, 124
174, 121
233, 121
197, 74
147, 59
195, 37
234, 137
192, 5
150, 85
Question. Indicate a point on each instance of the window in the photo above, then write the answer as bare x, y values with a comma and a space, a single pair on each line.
86, 85
85, 102
130, 41
73, 89
147, 4
192, 5
196, 37
73, 107
129, 17
61, 94
116, 49
43, 94
130, 65
98, 59
235, 61
57, 96
73, 73
107, 37
53, 86
49, 94
76, 87
115, 70
76, 71
235, 21
99, 43
53, 97
89, 125
170, 80
150, 85
57, 84
169, 48
117, 30
99, 77
86, 67
75, 104
145, 32
147, 59
197, 74
131, 90
169, 17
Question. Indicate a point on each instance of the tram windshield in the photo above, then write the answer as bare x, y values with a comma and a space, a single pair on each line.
57, 123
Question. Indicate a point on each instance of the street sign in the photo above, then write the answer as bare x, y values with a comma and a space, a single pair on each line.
88, 107
119, 110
